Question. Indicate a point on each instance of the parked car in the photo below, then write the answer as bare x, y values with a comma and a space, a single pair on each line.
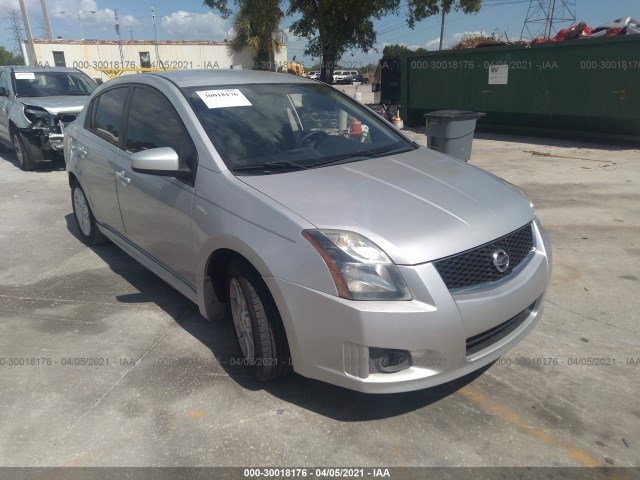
346, 252
36, 104
340, 75
314, 75
351, 79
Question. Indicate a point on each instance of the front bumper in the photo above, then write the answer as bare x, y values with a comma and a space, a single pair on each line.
332, 339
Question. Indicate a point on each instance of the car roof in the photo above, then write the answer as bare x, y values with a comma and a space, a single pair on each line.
196, 78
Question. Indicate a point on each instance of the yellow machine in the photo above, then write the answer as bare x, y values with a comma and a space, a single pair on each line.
295, 68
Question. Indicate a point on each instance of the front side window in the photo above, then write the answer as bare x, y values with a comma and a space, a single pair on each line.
52, 84
294, 125
154, 123
106, 114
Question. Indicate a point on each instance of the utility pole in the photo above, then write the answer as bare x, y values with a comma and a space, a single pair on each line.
155, 36
45, 16
131, 31
119, 37
31, 51
442, 28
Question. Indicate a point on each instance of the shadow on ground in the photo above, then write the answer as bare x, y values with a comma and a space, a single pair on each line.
54, 165
219, 337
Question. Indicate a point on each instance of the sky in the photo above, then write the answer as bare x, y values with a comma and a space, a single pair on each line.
190, 20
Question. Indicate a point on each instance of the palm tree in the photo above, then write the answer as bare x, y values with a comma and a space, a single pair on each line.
257, 27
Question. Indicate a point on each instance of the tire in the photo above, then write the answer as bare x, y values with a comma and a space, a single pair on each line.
259, 329
24, 152
85, 221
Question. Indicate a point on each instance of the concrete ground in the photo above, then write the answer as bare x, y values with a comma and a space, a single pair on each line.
161, 391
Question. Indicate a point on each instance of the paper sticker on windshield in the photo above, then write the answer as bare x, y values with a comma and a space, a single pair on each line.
231, 97
25, 76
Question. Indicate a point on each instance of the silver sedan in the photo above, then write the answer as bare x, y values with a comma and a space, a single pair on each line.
346, 252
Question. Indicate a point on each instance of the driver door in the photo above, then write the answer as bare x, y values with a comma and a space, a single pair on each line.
156, 209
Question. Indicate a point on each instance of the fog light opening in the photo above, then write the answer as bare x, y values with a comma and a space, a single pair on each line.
385, 360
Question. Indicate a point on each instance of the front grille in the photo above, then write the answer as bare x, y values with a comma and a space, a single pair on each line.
475, 267
485, 339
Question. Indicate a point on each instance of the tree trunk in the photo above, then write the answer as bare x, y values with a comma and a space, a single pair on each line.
328, 64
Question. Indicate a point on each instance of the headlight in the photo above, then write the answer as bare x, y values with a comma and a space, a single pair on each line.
35, 115
360, 269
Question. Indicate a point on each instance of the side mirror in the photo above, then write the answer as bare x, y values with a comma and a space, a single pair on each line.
3, 92
156, 161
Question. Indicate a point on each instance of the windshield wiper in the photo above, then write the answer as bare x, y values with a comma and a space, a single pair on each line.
361, 154
271, 165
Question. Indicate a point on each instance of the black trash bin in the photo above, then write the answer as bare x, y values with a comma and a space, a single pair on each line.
451, 132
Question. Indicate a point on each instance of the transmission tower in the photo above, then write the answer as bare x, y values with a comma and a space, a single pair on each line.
15, 27
546, 17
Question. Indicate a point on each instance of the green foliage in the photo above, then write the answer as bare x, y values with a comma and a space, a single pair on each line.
8, 58
421, 9
256, 25
338, 25
397, 51
331, 27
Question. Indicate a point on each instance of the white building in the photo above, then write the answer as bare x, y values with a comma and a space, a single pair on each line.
88, 55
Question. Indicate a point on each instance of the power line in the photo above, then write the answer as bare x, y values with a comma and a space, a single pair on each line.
461, 16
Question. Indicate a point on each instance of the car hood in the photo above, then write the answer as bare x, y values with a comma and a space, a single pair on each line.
417, 206
57, 105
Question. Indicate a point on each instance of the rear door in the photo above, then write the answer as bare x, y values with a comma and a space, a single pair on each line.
96, 150
156, 210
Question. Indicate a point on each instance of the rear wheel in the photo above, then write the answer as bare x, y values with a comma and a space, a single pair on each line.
85, 220
259, 329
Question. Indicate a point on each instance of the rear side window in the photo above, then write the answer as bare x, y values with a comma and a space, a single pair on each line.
106, 114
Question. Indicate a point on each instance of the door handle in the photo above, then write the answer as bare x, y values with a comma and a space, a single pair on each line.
123, 177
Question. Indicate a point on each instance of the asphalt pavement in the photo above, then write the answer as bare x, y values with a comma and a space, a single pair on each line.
103, 364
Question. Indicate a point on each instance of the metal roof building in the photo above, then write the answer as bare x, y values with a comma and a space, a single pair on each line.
95, 56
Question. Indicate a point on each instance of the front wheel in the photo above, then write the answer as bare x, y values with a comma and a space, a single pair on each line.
23, 152
259, 329
85, 220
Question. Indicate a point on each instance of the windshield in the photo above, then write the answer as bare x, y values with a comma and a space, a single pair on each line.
268, 128
52, 84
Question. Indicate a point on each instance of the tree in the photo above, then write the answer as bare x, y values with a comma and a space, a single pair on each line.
421, 9
397, 51
8, 58
256, 25
331, 27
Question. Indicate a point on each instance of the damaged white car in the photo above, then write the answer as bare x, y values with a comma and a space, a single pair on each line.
36, 104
